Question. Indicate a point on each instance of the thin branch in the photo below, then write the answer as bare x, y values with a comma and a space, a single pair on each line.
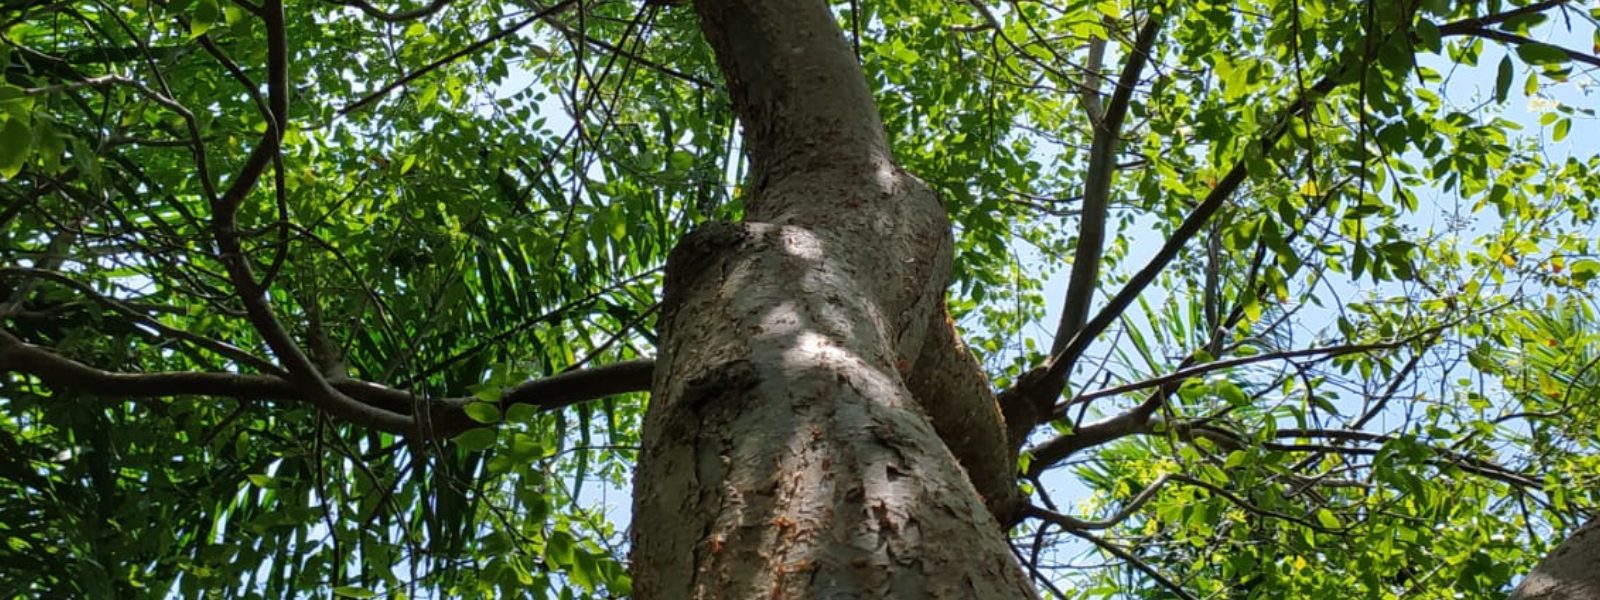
1137, 419
1074, 523
1246, 505
1517, 40
1138, 563
379, 93
500, 336
554, 392
222, 348
1199, 370
561, 26
393, 17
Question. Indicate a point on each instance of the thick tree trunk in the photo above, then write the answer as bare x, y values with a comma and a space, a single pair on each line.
1570, 572
783, 454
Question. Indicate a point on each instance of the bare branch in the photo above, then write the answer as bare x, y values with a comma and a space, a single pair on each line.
1074, 523
1089, 95
1085, 277
1104, 431
1138, 563
634, 57
1031, 397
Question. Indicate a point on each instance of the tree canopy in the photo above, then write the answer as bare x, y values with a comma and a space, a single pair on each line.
1280, 298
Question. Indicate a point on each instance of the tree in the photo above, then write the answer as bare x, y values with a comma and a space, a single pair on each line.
319, 292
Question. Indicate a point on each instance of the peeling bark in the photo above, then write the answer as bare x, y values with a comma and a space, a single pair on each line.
1570, 572
784, 455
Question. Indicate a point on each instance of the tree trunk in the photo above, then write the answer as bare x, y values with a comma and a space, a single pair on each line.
783, 454
1570, 572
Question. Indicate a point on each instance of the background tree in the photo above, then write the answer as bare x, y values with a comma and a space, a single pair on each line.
358, 298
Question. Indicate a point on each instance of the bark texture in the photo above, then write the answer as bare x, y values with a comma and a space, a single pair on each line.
1570, 572
784, 455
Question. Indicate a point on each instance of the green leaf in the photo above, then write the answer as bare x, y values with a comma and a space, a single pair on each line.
15, 140
1235, 458
1502, 80
559, 549
1428, 35
1232, 393
1252, 310
264, 481
1584, 270
482, 412
14, 100
525, 447
521, 413
1562, 127
476, 440
1541, 54
1326, 519
206, 14
350, 591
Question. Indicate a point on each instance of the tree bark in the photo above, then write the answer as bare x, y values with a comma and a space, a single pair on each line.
1570, 572
784, 455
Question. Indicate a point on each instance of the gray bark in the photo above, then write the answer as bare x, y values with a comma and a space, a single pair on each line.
784, 455
1570, 572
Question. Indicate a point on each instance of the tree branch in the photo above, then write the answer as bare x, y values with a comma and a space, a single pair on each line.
557, 391
1085, 277
382, 405
1074, 523
1137, 419
1060, 363
1104, 431
224, 225
394, 17
1458, 27
1514, 39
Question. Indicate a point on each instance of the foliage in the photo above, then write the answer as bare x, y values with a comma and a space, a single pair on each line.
1383, 343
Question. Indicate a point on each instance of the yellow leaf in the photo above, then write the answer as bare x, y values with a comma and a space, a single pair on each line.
1548, 385
1309, 188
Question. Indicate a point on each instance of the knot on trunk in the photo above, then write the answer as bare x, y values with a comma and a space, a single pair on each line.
694, 254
